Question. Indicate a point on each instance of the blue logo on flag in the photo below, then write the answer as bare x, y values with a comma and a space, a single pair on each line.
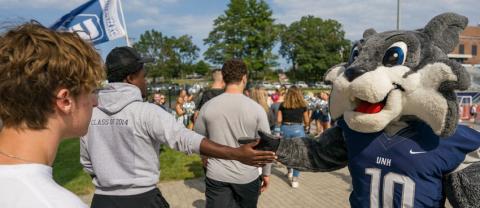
88, 27
86, 21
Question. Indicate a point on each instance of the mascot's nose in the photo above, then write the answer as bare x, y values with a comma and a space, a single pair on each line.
353, 72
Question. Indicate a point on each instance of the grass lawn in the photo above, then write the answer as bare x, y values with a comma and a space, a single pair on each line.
68, 172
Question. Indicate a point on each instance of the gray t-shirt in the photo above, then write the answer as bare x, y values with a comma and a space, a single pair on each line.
225, 119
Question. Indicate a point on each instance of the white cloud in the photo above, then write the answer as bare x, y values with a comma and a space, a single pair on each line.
154, 14
142, 7
41, 3
74, 3
196, 26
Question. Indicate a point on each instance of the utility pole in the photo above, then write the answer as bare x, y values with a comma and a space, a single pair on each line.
398, 14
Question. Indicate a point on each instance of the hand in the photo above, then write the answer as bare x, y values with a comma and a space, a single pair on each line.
204, 161
247, 155
265, 183
267, 142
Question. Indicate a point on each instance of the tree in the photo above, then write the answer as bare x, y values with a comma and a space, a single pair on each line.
245, 31
313, 45
202, 67
153, 44
186, 52
174, 56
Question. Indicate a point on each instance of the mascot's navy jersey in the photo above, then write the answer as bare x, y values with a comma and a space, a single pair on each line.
405, 169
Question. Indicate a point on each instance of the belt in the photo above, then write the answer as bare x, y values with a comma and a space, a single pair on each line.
291, 123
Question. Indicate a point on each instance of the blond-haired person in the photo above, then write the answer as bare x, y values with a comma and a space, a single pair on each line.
47, 86
293, 118
260, 95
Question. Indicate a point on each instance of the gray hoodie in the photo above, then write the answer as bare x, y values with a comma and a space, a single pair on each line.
122, 145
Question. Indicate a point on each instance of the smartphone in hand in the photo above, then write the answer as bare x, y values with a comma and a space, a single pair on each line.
246, 140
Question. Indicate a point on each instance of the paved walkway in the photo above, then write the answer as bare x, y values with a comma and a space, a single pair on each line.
316, 190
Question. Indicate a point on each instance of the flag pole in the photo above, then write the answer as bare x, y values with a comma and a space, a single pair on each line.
124, 24
398, 14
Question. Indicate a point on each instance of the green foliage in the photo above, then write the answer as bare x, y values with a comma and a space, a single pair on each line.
313, 45
267, 74
68, 172
245, 31
202, 67
174, 56
176, 165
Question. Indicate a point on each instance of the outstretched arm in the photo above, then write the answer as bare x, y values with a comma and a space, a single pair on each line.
326, 152
244, 154
164, 128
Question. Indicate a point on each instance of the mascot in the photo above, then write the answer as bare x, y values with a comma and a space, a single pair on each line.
396, 116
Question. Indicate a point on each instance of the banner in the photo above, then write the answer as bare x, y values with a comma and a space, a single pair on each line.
96, 21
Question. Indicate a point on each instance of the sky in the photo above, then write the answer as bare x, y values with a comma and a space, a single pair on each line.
195, 17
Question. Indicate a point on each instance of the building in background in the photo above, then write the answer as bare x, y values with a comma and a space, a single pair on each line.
467, 51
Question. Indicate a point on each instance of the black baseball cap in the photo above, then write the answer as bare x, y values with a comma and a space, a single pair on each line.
123, 61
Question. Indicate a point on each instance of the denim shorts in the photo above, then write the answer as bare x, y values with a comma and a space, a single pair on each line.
293, 130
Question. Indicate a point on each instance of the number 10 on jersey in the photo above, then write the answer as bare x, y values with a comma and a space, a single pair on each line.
408, 188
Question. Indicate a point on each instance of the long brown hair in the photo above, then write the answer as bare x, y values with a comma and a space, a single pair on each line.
259, 95
294, 98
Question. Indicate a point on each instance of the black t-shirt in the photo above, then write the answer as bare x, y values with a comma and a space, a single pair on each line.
209, 94
292, 115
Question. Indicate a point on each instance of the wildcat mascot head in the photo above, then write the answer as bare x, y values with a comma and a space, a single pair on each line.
396, 76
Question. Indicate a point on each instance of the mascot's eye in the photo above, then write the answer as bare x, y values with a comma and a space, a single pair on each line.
353, 54
395, 54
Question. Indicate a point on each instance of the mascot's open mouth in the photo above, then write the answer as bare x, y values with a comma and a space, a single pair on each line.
372, 108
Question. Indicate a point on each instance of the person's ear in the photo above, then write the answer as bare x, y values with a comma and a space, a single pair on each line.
130, 78
64, 101
244, 79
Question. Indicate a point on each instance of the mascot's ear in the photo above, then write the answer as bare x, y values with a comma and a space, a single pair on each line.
444, 30
369, 32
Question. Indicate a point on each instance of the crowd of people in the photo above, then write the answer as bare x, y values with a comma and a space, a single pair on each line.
120, 134
290, 112
52, 88
188, 105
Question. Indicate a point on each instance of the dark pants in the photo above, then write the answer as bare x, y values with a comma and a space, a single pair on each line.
220, 194
149, 199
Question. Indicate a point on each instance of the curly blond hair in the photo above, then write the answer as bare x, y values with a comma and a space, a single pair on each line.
35, 62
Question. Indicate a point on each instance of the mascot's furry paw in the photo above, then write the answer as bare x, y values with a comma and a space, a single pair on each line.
267, 142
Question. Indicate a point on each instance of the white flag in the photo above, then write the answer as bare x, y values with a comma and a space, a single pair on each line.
96, 20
